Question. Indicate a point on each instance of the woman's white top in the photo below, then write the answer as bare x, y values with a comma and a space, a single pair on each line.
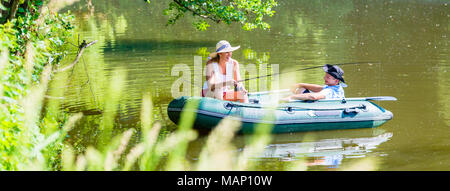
221, 77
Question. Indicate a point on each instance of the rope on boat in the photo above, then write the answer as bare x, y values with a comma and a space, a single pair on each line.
230, 105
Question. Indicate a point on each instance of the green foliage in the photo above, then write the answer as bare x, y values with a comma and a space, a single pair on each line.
33, 131
201, 25
31, 45
249, 13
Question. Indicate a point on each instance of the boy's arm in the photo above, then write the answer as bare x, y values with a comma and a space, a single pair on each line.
311, 87
308, 96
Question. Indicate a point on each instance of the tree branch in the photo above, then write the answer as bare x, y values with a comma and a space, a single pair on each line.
196, 13
80, 52
14, 7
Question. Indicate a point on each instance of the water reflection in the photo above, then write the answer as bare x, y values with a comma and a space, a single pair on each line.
324, 152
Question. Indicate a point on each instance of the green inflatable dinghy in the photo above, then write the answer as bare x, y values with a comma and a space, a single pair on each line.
293, 116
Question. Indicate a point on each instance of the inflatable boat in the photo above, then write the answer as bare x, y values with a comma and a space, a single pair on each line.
290, 116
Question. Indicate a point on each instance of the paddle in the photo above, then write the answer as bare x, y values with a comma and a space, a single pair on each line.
382, 98
377, 98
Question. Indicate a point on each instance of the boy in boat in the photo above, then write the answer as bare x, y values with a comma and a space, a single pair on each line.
333, 89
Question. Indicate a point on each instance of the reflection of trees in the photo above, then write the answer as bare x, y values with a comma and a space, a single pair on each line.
56, 5
87, 74
313, 32
408, 38
443, 92
443, 72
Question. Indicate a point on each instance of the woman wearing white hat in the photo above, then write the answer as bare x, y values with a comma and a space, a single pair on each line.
221, 72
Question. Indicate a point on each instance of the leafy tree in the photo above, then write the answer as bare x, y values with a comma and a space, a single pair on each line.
11, 9
249, 13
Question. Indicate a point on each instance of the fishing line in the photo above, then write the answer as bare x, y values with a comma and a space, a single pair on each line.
308, 68
88, 82
301, 69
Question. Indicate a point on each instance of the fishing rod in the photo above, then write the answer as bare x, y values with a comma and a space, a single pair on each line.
301, 69
308, 68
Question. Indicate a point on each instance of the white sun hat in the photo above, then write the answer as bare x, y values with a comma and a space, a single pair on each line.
223, 46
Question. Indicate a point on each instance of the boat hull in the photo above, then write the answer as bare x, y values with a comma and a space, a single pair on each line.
284, 117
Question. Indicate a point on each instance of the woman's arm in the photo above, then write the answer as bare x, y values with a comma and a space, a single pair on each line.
237, 75
210, 77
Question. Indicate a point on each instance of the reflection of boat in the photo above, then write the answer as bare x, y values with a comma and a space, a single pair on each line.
288, 117
326, 146
328, 152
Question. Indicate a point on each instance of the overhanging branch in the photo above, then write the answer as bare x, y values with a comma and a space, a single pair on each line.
196, 13
80, 52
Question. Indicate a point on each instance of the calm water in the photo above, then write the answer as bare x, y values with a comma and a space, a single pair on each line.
409, 39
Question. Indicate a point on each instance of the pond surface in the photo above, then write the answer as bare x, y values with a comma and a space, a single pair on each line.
408, 38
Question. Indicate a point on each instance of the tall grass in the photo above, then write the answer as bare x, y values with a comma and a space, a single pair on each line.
152, 152
42, 143
34, 130
41, 151
31, 45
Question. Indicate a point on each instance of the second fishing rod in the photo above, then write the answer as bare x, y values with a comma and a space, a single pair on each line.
308, 68
303, 69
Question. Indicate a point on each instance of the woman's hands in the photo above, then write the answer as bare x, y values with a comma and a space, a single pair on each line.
235, 84
240, 87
